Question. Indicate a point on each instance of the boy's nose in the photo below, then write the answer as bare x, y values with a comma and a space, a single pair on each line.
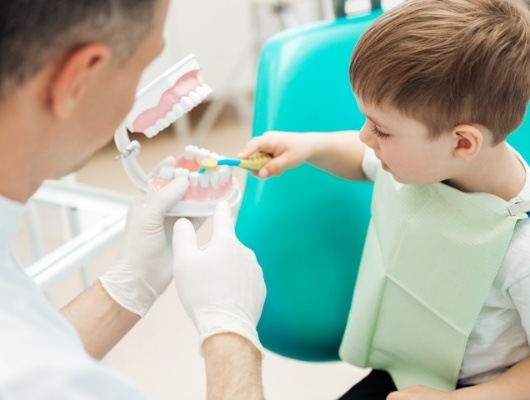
367, 137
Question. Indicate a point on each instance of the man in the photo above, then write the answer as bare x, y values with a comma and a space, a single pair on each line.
68, 75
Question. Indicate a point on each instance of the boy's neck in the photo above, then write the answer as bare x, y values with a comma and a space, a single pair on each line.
497, 171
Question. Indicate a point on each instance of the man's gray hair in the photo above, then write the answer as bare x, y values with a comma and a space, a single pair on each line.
32, 32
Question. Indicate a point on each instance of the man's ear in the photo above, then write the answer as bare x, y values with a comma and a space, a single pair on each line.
73, 75
468, 141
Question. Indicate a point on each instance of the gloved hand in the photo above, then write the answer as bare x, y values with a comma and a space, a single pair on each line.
144, 269
221, 286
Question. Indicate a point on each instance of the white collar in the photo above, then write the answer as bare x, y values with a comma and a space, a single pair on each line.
524, 195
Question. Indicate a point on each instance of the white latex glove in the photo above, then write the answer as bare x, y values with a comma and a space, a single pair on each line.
220, 286
144, 269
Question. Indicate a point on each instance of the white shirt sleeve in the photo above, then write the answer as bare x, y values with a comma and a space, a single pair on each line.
370, 163
518, 285
58, 378
501, 335
517, 260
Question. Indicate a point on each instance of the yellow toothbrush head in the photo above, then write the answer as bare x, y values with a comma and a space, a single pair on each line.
208, 163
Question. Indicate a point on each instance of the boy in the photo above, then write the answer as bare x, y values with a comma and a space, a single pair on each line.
441, 298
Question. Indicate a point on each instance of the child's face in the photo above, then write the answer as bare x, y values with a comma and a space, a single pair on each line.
404, 147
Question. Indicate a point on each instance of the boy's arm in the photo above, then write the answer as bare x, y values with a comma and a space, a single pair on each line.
513, 384
339, 153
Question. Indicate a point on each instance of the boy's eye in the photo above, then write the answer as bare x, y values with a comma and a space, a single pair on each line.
379, 134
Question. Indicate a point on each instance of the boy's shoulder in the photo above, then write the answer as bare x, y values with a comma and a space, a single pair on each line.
516, 264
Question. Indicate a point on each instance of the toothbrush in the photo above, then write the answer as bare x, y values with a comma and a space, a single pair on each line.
253, 163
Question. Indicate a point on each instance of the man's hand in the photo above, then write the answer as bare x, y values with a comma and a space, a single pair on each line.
144, 268
221, 286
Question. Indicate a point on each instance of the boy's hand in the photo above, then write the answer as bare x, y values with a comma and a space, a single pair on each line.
287, 149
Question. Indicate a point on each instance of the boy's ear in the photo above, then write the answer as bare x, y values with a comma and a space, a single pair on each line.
76, 72
468, 141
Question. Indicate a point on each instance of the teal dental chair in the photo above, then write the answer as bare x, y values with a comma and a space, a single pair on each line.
520, 139
308, 227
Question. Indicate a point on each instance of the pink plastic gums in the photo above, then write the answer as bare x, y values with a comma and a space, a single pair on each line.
184, 85
197, 193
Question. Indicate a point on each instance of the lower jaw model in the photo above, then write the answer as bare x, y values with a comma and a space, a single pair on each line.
157, 106
205, 190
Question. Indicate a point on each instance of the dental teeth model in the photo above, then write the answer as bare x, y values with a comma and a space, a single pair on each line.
158, 105
167, 98
215, 185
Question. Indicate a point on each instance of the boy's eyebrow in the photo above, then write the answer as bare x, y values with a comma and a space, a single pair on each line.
372, 120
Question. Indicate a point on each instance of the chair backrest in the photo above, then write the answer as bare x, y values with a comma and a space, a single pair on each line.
307, 227
520, 139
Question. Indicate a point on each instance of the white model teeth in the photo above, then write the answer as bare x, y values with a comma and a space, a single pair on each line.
207, 88
151, 131
186, 103
178, 110
197, 98
201, 91
171, 117
162, 124
194, 178
213, 178
201, 154
189, 152
224, 174
204, 180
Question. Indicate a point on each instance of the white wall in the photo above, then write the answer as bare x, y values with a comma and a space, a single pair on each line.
221, 34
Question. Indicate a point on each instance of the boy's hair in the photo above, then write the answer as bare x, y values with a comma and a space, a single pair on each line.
32, 32
448, 62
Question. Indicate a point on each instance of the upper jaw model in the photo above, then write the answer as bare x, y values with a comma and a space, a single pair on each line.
158, 105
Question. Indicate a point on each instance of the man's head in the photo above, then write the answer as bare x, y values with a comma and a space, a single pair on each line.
448, 62
33, 32
69, 71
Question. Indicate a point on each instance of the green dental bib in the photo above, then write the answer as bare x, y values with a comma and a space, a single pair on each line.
430, 258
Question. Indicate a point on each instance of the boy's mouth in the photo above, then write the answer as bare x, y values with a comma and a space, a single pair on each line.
383, 164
